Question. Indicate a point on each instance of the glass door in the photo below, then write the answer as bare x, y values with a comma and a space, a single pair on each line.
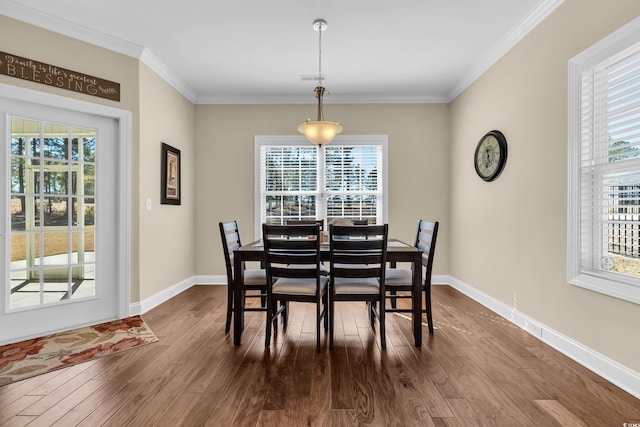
60, 210
52, 213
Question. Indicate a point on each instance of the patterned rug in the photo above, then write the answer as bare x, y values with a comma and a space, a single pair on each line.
40, 355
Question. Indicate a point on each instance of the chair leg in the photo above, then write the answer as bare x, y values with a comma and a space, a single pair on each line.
372, 314
427, 298
318, 320
383, 333
274, 316
331, 321
267, 337
325, 302
227, 325
393, 300
285, 310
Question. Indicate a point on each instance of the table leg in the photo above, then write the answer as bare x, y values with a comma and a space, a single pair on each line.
416, 301
238, 300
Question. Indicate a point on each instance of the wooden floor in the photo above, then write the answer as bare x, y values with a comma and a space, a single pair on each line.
477, 370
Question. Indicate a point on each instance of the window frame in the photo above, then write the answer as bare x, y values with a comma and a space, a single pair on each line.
300, 140
618, 285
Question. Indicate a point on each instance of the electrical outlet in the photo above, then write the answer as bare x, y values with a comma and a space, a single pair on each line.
533, 329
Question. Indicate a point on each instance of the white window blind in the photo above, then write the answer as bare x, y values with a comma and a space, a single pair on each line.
296, 180
604, 205
353, 182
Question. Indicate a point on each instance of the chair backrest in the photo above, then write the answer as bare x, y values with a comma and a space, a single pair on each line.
292, 251
230, 235
358, 251
320, 222
426, 242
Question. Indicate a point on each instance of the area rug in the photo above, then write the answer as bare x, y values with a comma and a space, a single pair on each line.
37, 356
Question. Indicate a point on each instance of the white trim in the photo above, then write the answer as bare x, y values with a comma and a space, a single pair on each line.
55, 331
49, 22
152, 61
166, 294
601, 281
124, 133
124, 213
261, 140
89, 35
615, 42
336, 98
607, 368
505, 45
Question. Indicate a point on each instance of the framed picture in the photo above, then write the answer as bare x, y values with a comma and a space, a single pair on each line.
170, 176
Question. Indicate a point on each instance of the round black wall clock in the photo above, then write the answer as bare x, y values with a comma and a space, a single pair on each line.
491, 155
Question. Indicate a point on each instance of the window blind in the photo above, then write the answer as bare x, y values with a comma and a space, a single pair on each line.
610, 163
302, 181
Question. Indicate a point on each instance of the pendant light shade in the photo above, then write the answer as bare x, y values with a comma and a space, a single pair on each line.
320, 131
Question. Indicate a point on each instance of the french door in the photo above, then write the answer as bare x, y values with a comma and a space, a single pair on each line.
60, 209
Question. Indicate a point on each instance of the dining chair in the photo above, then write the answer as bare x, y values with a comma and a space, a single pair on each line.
323, 269
320, 222
401, 279
255, 280
357, 262
292, 257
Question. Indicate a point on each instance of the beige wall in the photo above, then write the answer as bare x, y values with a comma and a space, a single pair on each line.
508, 238
418, 166
166, 255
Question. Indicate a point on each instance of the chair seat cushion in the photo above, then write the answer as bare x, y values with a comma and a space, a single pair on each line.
255, 276
338, 265
294, 286
344, 285
398, 276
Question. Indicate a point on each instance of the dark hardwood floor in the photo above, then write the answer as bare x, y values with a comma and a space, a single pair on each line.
477, 370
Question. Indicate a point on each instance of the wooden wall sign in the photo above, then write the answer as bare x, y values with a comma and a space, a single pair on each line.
51, 75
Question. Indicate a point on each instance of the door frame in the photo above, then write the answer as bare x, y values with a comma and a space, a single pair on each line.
123, 134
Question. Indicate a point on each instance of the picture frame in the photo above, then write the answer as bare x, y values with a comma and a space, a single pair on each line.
170, 181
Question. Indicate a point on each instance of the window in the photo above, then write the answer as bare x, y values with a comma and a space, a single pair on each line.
604, 166
301, 181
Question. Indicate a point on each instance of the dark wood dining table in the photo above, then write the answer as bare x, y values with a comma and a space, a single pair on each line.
397, 251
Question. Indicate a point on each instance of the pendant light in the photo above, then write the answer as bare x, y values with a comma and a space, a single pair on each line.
320, 131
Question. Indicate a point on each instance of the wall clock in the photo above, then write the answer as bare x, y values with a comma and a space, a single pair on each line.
491, 155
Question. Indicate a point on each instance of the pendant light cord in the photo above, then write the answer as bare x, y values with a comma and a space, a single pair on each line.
320, 88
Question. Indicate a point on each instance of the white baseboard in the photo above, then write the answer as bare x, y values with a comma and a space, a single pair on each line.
168, 293
607, 368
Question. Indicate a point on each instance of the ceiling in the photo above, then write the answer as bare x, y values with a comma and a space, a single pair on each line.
266, 51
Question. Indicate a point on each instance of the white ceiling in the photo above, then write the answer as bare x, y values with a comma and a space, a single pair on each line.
256, 51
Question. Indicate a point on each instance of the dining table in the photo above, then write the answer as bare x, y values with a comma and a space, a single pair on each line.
397, 252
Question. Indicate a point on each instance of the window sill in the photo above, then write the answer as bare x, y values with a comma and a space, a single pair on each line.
614, 288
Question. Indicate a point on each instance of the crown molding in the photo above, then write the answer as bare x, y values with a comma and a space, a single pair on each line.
80, 32
150, 60
62, 26
505, 45
335, 99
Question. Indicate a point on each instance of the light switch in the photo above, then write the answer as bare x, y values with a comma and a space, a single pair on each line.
149, 203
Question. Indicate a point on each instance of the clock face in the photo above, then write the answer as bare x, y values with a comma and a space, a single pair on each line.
491, 155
